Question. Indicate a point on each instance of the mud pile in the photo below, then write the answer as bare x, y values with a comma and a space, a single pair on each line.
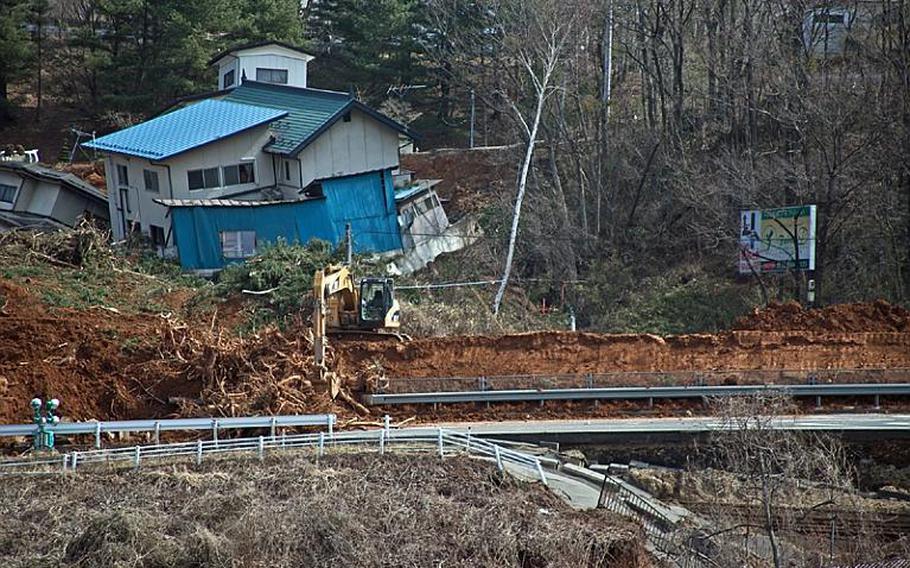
862, 317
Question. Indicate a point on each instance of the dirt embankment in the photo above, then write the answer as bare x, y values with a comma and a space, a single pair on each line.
862, 317
578, 353
106, 365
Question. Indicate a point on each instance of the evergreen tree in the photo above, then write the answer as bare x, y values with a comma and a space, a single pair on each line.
14, 48
369, 45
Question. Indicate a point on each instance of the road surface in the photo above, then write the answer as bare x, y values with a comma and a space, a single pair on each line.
581, 431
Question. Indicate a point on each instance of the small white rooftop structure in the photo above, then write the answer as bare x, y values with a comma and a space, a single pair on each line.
265, 61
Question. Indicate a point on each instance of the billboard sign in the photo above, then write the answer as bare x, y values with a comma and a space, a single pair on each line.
777, 240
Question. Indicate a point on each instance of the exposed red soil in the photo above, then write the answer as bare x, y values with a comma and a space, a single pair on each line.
871, 316
470, 178
104, 365
578, 353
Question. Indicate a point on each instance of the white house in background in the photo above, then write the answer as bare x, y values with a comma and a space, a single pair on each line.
263, 138
265, 62
826, 30
38, 197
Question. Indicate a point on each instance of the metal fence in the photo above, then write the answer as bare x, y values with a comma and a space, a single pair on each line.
675, 543
214, 425
439, 440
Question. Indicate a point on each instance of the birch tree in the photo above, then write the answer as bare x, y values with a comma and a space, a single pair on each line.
535, 34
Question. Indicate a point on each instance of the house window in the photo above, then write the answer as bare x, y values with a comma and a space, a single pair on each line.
279, 76
238, 173
287, 171
157, 235
123, 176
346, 117
238, 244
424, 205
228, 79
203, 179
7, 193
151, 180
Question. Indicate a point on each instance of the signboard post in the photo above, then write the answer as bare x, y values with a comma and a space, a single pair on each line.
777, 240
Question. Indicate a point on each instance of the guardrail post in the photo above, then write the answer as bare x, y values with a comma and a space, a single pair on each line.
272, 427
469, 440
321, 443
589, 380
818, 402
877, 403
65, 461
498, 457
215, 431
74, 461
136, 456
381, 442
332, 428
439, 438
198, 452
543, 478
157, 433
98, 435
284, 439
261, 448
387, 421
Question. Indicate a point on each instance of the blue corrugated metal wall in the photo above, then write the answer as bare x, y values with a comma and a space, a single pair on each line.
366, 201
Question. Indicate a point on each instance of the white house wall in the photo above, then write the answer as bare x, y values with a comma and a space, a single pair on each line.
174, 184
37, 197
72, 204
347, 148
224, 67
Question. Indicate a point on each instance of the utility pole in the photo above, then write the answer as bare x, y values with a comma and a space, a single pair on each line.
349, 243
472, 118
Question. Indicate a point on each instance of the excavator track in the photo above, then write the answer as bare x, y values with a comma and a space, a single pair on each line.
368, 335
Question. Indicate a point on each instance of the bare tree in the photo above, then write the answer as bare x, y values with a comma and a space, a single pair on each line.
536, 33
769, 461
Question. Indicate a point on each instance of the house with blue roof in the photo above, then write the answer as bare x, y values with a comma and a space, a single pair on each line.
265, 157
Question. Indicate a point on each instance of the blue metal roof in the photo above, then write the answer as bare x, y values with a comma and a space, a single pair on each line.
185, 129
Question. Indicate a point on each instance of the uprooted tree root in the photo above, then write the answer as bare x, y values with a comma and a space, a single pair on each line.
269, 372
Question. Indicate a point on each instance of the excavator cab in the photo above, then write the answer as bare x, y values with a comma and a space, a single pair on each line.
378, 308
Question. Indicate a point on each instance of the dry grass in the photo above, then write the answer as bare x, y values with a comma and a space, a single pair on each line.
349, 510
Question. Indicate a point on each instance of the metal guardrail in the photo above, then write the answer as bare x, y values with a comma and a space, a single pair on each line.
215, 425
643, 378
635, 393
436, 439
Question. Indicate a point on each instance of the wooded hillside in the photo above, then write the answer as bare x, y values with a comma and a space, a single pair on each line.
655, 122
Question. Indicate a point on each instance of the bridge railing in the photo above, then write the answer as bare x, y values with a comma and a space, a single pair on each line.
441, 441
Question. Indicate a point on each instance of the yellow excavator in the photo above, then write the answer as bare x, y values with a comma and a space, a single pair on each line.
341, 306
